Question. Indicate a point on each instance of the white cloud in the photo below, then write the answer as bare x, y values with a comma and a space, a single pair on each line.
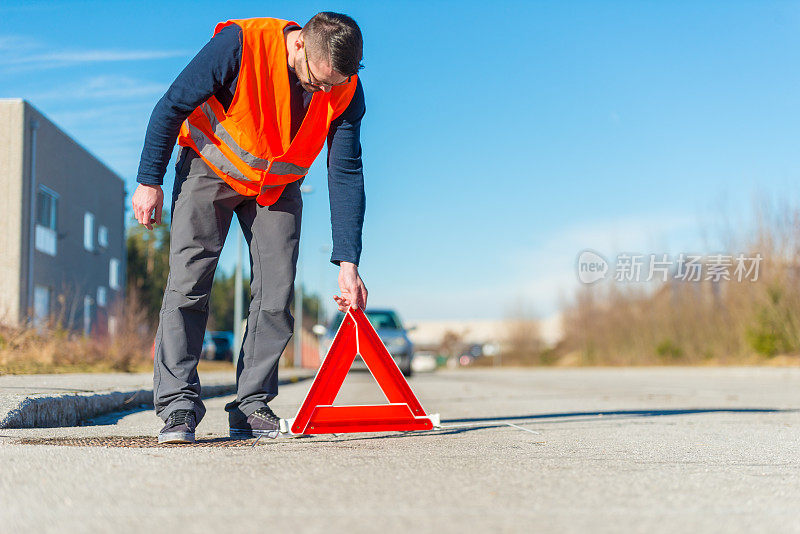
107, 114
12, 43
24, 53
99, 87
540, 277
58, 59
545, 275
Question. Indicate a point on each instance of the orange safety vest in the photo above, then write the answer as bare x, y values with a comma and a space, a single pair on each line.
250, 145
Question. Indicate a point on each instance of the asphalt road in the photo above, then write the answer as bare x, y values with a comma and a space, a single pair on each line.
618, 450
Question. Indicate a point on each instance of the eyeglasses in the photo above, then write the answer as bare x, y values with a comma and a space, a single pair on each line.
320, 84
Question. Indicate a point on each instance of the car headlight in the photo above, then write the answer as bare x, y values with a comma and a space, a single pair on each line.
396, 345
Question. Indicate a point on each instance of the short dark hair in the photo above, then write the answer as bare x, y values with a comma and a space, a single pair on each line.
335, 38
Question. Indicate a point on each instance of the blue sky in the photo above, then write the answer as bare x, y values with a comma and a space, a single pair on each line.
501, 138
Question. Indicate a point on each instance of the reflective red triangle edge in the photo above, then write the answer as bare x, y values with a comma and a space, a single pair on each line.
317, 415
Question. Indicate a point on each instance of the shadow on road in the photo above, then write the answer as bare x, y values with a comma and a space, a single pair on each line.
619, 414
468, 424
449, 427
483, 423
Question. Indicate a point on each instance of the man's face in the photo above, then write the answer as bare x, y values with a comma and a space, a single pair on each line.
316, 75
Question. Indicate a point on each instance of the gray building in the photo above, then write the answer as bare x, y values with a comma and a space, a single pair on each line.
62, 232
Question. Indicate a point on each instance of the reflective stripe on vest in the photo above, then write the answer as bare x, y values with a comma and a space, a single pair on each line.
267, 187
284, 167
211, 152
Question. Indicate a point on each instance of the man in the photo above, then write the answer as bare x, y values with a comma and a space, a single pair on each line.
251, 112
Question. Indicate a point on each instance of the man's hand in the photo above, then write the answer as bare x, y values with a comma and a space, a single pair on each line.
354, 293
146, 199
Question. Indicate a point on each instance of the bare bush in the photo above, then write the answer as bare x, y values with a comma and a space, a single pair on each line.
522, 343
53, 348
705, 322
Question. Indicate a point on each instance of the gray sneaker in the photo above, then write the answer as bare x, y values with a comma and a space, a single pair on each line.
180, 427
261, 423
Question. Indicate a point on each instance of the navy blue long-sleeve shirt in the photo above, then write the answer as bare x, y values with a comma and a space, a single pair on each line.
215, 71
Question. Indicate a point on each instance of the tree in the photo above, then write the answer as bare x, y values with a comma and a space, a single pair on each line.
222, 301
148, 264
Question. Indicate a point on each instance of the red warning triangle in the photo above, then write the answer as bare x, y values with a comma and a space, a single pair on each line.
317, 415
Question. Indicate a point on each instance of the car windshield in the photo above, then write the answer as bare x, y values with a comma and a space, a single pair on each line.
380, 320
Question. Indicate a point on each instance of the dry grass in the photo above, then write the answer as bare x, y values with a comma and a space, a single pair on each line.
698, 323
679, 322
522, 345
55, 349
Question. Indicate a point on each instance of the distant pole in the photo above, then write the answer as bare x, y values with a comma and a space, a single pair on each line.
321, 315
298, 299
237, 301
298, 316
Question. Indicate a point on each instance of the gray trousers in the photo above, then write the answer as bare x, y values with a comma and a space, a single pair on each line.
202, 210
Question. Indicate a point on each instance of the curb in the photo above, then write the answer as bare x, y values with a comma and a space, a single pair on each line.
72, 409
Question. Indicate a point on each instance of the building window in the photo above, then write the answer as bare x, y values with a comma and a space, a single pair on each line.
41, 305
102, 297
46, 240
87, 315
45, 236
88, 231
102, 236
112, 325
46, 207
113, 273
